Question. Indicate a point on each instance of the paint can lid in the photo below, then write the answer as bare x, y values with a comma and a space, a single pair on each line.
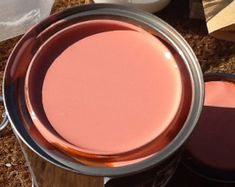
210, 150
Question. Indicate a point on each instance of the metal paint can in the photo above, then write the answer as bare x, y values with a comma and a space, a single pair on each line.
50, 166
209, 150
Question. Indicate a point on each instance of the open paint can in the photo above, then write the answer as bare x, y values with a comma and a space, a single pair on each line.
210, 150
102, 90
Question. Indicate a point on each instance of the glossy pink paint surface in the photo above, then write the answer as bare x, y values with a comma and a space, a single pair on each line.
113, 91
220, 94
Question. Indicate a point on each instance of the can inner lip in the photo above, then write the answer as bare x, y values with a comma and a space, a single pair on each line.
210, 145
17, 65
34, 82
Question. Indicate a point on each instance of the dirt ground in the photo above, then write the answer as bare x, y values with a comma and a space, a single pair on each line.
214, 56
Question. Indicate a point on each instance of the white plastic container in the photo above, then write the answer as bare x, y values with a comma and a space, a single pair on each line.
17, 16
147, 5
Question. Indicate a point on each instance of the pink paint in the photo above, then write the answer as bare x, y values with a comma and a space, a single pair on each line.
212, 142
220, 94
113, 91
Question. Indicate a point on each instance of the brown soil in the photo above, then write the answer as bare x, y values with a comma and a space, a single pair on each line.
214, 55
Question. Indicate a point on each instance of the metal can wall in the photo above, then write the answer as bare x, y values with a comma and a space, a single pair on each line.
47, 174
